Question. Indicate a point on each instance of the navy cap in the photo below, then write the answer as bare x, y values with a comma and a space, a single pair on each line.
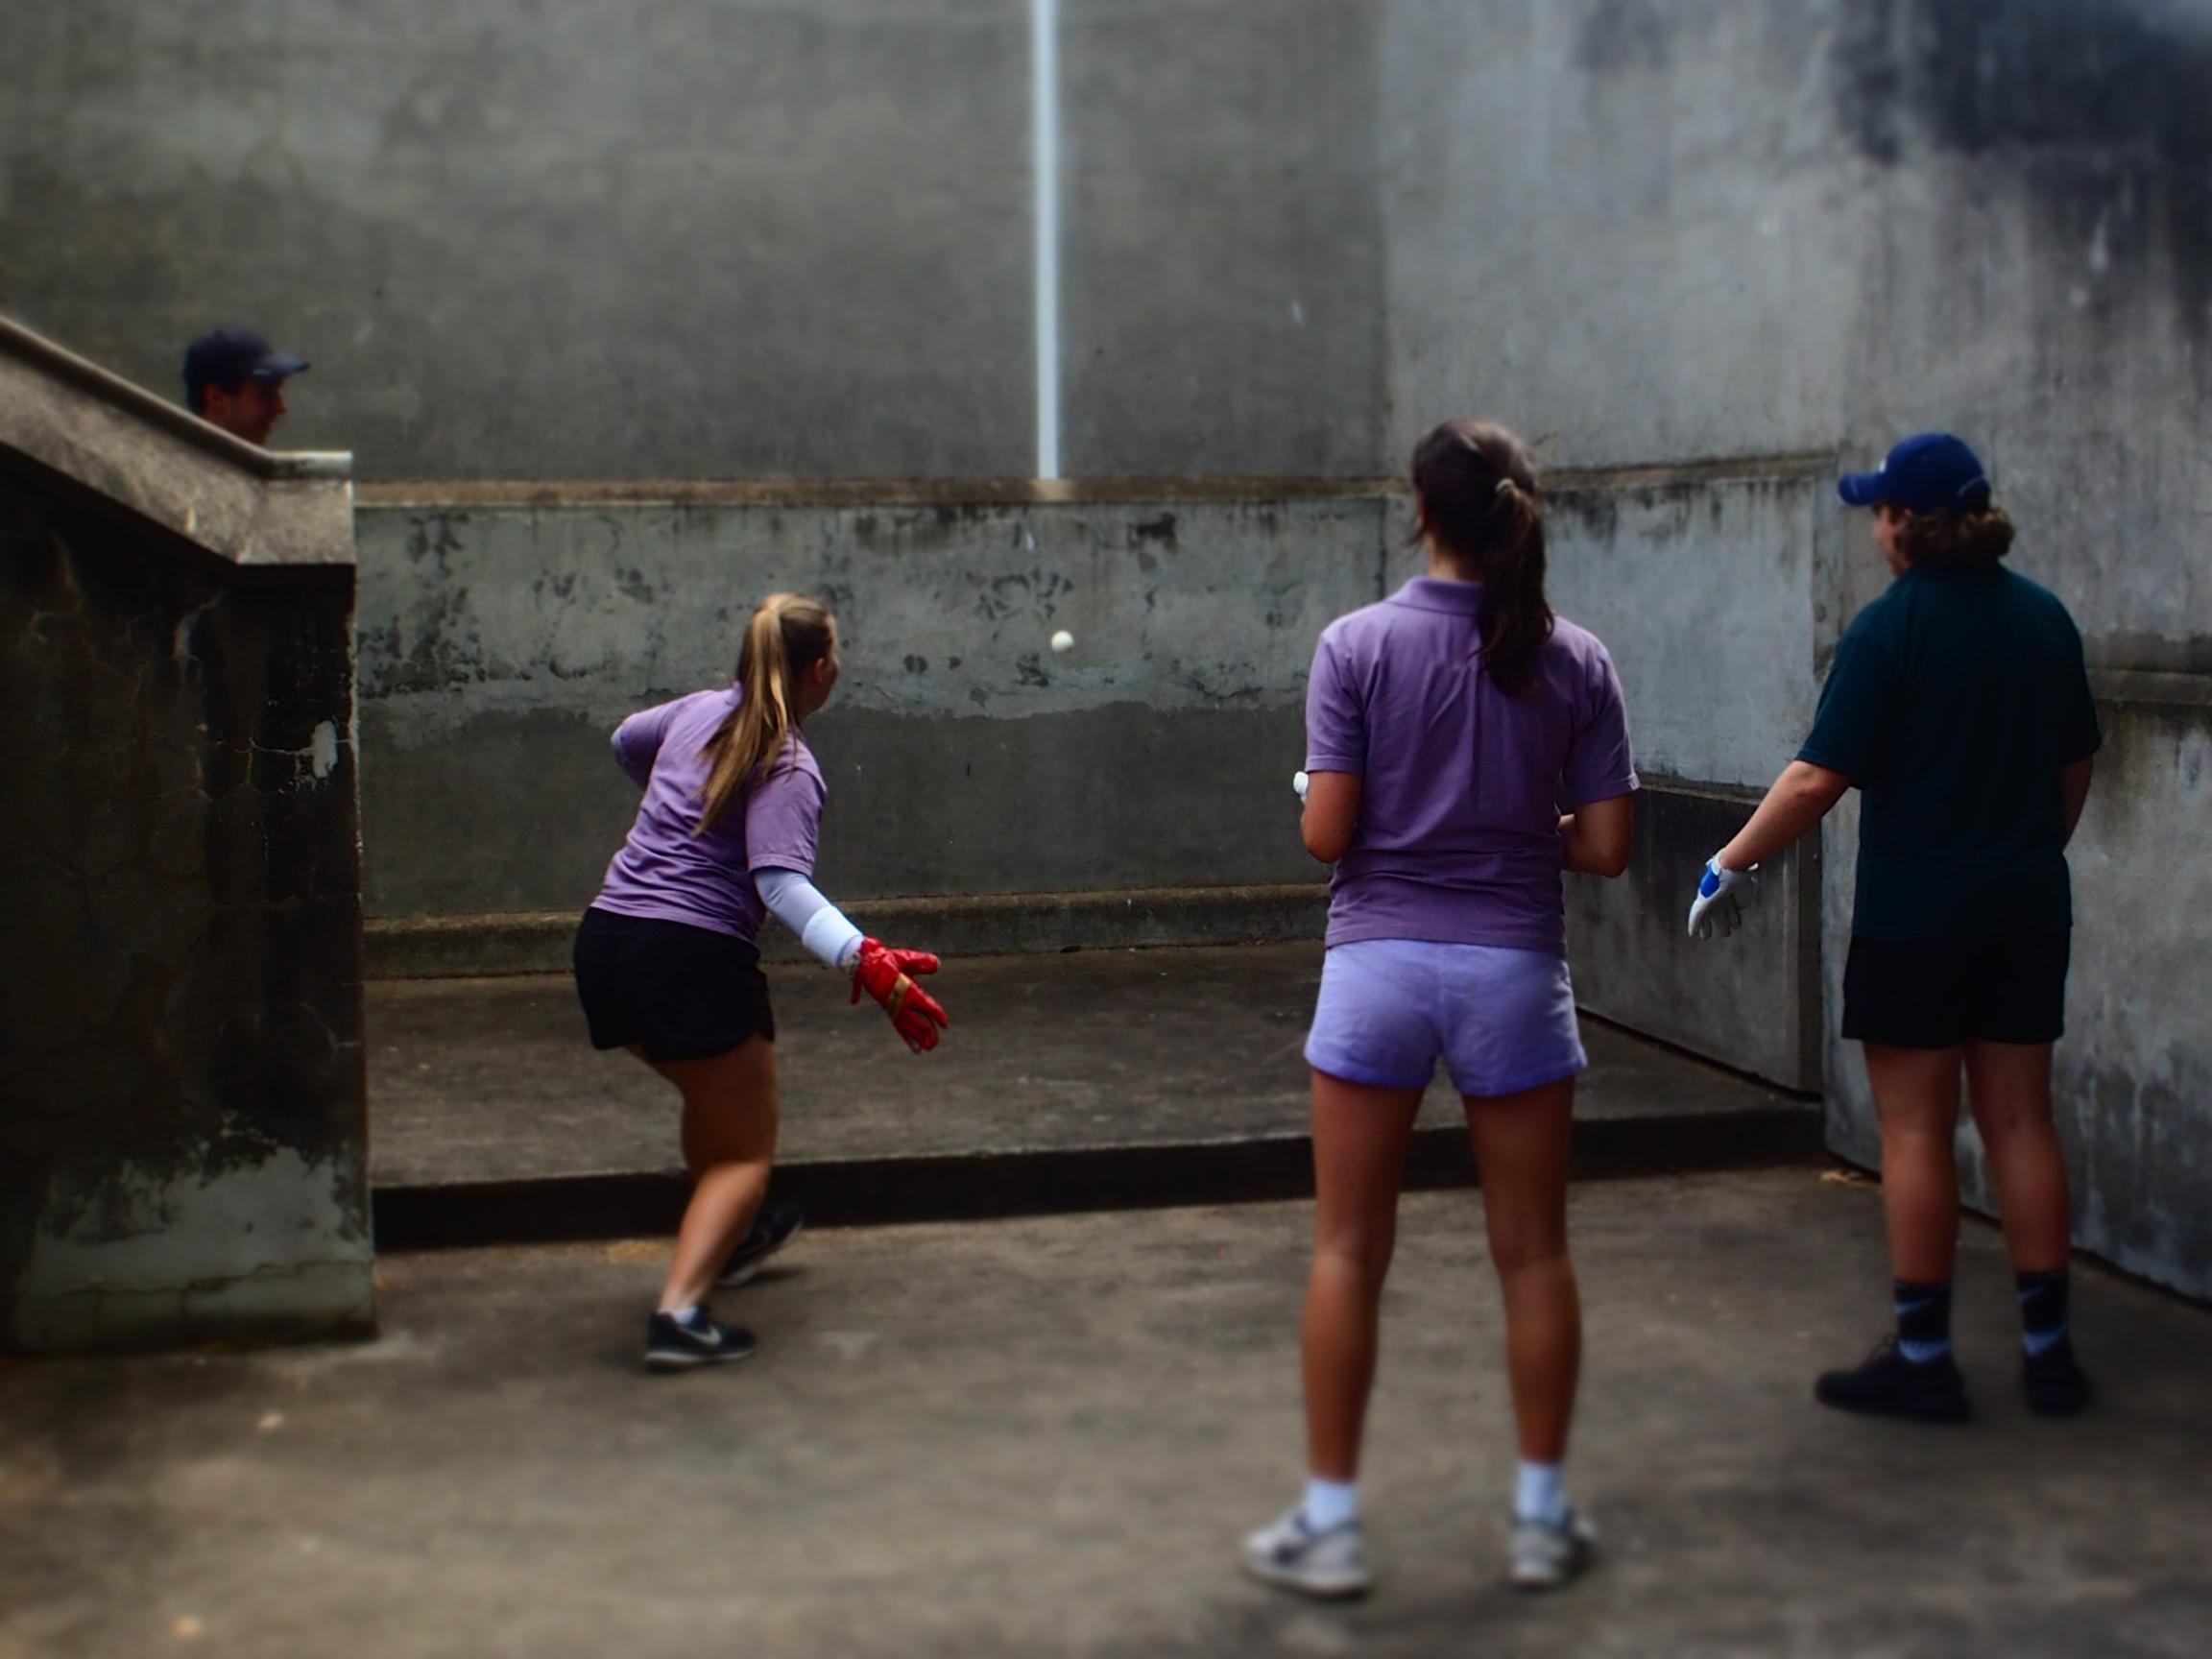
1927, 472
226, 357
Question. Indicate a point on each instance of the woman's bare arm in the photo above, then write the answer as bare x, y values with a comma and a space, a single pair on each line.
1599, 835
1331, 814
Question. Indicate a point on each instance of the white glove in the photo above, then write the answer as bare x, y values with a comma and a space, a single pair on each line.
1298, 782
1721, 895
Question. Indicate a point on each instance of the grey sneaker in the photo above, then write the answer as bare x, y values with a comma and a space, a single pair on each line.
1544, 1556
1329, 1564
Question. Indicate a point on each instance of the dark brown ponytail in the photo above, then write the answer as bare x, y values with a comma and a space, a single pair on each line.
1480, 507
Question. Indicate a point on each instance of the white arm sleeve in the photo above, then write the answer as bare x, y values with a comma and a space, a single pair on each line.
799, 905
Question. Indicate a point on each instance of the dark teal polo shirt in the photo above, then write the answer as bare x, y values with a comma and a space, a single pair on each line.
1953, 702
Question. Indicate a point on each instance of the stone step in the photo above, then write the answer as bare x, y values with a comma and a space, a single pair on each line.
1068, 1082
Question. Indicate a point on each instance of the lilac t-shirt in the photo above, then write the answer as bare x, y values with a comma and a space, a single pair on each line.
665, 872
1458, 834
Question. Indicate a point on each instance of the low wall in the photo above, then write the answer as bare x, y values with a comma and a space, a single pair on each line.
182, 1149
1752, 1001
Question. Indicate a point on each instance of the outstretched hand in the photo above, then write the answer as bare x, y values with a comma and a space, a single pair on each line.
886, 975
1721, 895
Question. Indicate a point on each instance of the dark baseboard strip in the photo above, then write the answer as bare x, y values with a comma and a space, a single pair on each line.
985, 924
992, 1186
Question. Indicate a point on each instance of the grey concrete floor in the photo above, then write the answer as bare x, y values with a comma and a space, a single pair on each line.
1046, 1436
495, 1079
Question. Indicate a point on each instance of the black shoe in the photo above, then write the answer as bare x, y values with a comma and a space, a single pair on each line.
1891, 1386
2056, 1385
771, 1230
673, 1344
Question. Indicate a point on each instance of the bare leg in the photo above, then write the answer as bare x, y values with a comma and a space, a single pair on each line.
2009, 1086
1520, 1148
1360, 1138
1916, 1094
729, 1114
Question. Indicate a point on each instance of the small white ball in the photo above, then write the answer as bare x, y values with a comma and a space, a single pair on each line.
1063, 640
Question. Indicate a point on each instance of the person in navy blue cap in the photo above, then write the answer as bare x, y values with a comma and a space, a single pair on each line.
235, 380
1958, 706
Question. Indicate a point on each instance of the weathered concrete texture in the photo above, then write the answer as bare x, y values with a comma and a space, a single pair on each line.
538, 238
1752, 1001
522, 812
2134, 1074
1703, 585
183, 1152
1222, 261
1645, 231
1048, 1438
500, 647
494, 1079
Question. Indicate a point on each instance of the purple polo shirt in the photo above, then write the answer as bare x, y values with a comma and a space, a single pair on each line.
665, 872
1458, 835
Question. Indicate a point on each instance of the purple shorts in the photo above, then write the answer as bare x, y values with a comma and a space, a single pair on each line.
1501, 1019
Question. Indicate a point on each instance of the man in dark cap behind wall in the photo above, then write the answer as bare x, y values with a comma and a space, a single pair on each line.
234, 381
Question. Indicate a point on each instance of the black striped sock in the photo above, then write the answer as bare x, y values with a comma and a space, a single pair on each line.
1923, 1321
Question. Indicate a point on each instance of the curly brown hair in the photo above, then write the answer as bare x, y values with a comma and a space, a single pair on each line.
1955, 541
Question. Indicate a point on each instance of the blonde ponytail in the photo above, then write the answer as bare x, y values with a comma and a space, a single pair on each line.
787, 635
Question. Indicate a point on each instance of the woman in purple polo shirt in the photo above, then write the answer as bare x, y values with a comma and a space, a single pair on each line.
1444, 726
666, 964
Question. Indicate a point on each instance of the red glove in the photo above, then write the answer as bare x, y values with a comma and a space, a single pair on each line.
883, 974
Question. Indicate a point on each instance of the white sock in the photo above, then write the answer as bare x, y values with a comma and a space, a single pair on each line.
1330, 1504
1541, 1493
682, 1315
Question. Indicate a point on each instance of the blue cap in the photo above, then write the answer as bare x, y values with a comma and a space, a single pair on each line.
229, 356
1927, 472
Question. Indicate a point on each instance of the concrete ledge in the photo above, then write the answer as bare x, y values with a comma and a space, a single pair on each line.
2151, 688
993, 924
245, 505
595, 494
876, 1192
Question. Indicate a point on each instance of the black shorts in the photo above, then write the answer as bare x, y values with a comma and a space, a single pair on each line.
1912, 994
678, 992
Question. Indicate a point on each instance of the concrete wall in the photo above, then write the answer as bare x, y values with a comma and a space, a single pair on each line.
1671, 230
548, 238
1222, 252
499, 646
181, 1152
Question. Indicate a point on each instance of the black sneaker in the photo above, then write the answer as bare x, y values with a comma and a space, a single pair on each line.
1891, 1386
673, 1344
772, 1229
2056, 1385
